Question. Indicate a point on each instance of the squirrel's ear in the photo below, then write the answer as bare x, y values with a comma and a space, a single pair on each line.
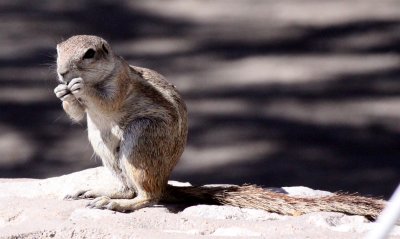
104, 48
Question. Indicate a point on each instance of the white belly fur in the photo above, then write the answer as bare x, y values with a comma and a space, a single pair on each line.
105, 136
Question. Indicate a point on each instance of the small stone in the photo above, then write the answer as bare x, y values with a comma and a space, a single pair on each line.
300, 191
179, 184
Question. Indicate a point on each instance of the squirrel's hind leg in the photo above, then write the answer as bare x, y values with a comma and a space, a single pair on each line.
144, 169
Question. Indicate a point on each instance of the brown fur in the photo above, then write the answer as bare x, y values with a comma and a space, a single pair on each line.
252, 196
137, 125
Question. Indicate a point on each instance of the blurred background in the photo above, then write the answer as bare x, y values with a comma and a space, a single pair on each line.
280, 93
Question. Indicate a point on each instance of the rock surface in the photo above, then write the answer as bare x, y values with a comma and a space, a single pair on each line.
32, 208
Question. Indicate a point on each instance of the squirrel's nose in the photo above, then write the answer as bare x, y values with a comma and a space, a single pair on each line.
64, 73
63, 76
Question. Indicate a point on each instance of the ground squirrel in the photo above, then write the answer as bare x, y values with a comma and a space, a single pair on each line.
137, 125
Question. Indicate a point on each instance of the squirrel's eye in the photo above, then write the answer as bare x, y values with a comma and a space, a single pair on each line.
89, 54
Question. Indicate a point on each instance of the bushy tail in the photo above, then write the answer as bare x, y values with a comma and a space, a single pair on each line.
251, 196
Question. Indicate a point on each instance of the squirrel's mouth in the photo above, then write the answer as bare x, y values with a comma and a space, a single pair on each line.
61, 81
65, 79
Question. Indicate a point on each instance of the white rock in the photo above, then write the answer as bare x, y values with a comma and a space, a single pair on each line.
179, 184
188, 232
32, 208
56, 187
229, 212
339, 222
88, 213
235, 232
305, 192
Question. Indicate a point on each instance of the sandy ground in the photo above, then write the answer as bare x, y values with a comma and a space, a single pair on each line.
33, 209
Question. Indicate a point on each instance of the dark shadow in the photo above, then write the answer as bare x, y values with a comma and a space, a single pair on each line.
333, 157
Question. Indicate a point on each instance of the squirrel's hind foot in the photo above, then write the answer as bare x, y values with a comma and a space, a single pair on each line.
121, 205
96, 193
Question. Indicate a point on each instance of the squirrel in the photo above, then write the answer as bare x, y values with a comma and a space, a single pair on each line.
137, 124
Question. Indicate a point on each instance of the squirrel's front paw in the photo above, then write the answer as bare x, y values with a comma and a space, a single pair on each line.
63, 93
76, 87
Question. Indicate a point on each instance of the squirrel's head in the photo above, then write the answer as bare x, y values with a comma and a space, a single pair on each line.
88, 57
